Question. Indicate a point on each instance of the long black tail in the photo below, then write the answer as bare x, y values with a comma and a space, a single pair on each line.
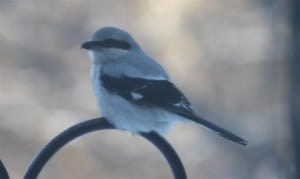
221, 131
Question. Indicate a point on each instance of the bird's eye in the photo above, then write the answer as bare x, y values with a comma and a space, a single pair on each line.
114, 43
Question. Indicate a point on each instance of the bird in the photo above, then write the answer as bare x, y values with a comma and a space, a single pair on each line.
133, 91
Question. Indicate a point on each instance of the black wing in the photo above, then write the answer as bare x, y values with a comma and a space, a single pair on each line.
160, 93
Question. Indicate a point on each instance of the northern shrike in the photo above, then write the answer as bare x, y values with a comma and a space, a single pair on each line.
134, 93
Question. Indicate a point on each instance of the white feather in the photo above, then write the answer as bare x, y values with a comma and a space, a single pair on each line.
127, 116
136, 96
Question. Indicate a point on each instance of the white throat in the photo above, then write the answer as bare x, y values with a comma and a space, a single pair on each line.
98, 57
114, 53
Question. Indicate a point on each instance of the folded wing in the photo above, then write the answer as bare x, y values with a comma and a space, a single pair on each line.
161, 93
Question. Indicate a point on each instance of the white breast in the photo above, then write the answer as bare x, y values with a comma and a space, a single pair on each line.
125, 115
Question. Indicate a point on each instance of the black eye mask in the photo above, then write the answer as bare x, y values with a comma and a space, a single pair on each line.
113, 43
106, 43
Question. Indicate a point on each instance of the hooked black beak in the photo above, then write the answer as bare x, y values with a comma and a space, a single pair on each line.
91, 44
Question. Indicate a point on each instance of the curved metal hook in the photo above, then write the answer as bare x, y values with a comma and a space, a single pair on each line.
168, 152
93, 125
3, 172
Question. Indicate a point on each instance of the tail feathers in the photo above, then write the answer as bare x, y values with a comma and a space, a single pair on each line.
221, 131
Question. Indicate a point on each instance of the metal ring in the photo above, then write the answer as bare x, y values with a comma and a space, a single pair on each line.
100, 124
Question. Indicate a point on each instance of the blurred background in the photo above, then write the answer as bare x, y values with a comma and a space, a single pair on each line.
229, 57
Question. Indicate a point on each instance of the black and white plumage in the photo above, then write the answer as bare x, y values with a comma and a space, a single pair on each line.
148, 92
133, 91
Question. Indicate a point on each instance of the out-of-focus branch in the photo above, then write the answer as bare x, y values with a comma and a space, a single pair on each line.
294, 69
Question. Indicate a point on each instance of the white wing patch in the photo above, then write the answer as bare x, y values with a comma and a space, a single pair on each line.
183, 103
136, 96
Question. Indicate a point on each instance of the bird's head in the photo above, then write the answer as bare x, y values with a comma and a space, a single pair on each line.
109, 43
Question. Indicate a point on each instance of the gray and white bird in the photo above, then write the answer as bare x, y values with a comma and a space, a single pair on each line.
134, 93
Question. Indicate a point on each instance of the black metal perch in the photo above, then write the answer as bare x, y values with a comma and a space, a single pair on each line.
3, 172
93, 125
